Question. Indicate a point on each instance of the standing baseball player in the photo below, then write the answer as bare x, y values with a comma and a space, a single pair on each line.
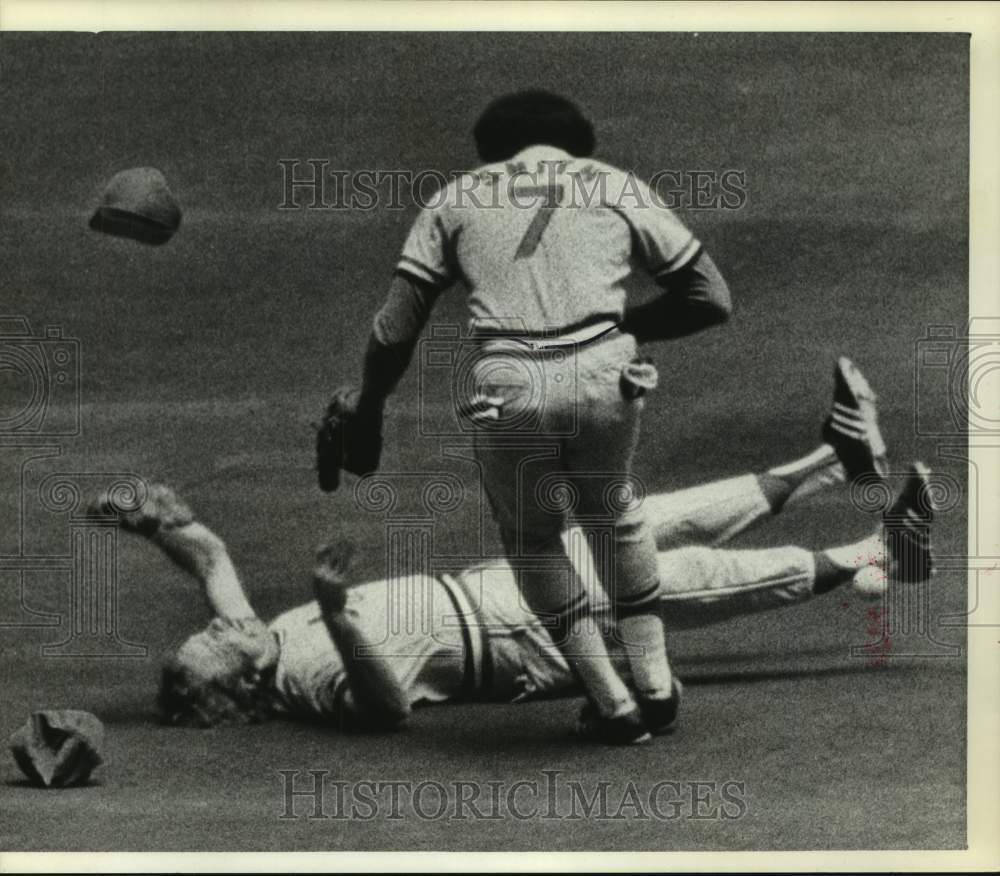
543, 238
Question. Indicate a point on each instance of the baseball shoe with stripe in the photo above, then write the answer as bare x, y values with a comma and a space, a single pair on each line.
852, 429
907, 528
627, 729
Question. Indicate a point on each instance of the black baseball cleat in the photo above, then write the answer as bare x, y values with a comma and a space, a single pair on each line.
659, 715
851, 428
627, 729
907, 528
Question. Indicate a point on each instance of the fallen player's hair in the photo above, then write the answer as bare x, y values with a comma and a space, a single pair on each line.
527, 118
187, 700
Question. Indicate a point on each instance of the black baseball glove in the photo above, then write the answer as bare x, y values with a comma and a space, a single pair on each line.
349, 437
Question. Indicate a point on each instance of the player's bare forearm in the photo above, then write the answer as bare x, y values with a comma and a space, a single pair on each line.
375, 694
167, 521
199, 551
695, 298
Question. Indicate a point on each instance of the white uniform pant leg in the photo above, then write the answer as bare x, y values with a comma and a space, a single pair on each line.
709, 514
599, 467
519, 447
701, 586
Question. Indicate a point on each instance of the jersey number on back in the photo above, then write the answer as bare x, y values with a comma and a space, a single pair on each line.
540, 221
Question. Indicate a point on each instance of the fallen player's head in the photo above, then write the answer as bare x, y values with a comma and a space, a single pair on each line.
221, 675
528, 118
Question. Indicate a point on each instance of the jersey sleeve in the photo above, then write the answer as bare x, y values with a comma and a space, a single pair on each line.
665, 243
427, 253
405, 312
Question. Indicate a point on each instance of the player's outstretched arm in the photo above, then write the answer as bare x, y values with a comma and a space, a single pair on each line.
167, 521
374, 696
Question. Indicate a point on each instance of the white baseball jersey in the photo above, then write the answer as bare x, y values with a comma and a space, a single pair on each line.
409, 621
445, 638
469, 636
545, 240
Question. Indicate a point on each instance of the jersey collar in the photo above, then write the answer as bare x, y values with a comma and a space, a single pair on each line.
541, 151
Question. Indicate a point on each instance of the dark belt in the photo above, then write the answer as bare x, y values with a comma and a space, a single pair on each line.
576, 335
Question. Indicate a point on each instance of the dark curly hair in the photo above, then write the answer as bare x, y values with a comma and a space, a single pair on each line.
516, 121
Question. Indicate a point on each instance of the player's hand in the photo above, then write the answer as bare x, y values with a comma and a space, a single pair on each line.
331, 575
154, 507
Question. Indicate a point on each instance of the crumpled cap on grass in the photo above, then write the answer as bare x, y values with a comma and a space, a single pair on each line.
58, 748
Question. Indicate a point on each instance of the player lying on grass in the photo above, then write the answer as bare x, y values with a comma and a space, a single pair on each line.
363, 654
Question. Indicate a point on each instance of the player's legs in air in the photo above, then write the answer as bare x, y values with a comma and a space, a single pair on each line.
852, 448
703, 585
708, 585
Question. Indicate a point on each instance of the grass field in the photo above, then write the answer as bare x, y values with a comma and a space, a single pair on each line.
203, 362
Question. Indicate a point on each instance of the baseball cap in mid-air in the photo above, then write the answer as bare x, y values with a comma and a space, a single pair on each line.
137, 203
